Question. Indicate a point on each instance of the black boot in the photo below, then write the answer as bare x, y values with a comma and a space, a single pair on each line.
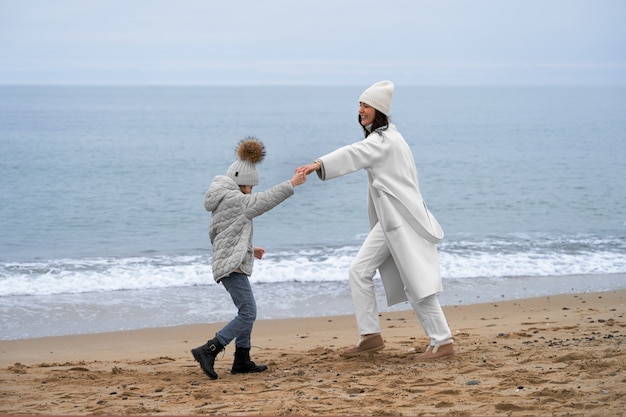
243, 364
206, 354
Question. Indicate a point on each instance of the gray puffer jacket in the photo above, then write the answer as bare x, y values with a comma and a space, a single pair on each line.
230, 229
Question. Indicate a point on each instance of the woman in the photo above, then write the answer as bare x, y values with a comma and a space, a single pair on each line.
403, 233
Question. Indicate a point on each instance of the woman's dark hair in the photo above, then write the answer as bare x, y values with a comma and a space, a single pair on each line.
380, 121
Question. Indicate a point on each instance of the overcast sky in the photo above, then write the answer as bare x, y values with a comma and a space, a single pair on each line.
242, 42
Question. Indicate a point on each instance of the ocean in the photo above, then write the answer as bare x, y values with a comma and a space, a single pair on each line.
103, 228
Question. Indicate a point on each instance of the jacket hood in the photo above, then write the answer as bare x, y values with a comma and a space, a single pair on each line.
220, 187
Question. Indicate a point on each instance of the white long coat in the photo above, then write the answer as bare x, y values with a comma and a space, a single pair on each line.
394, 199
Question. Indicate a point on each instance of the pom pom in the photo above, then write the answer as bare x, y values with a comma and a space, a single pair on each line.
251, 149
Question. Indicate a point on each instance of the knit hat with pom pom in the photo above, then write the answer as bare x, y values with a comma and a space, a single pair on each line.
250, 151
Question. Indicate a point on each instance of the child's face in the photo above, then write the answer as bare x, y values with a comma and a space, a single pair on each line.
246, 189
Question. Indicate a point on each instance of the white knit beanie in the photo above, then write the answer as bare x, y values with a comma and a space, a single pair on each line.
379, 96
250, 151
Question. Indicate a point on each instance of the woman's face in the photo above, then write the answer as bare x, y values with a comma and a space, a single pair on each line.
246, 189
367, 114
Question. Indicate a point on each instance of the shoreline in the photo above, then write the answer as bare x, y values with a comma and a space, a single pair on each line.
26, 317
550, 355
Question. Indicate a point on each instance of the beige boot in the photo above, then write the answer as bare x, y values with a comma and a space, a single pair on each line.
436, 352
367, 344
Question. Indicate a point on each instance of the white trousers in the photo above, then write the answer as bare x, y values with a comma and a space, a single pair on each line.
370, 257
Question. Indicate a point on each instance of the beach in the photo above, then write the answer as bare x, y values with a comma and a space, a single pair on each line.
554, 355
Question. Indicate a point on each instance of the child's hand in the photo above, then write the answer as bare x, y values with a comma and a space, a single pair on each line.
259, 252
298, 178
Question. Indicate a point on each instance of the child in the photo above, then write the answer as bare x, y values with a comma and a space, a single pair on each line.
233, 206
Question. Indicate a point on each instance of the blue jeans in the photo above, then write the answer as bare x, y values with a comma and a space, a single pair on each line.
240, 328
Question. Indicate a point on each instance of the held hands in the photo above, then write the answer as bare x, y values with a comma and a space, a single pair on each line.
301, 172
307, 169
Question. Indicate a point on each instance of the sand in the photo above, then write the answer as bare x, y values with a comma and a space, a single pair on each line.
550, 356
